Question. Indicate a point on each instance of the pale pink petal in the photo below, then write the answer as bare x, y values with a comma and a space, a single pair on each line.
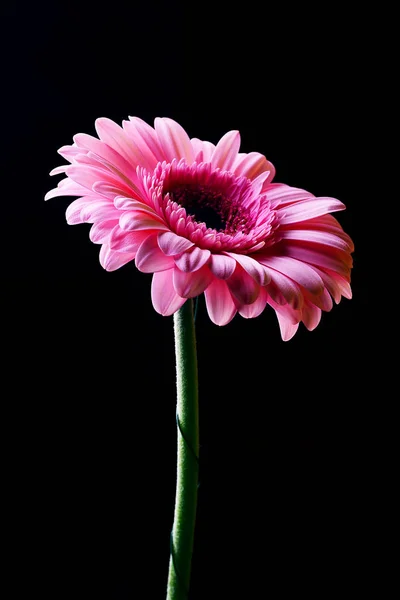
111, 260
150, 258
127, 241
172, 244
300, 272
98, 211
174, 140
163, 295
220, 306
252, 267
192, 260
251, 165
288, 330
311, 316
243, 287
66, 187
226, 151
222, 266
250, 311
203, 150
73, 212
100, 232
135, 220
309, 209
190, 285
107, 153
145, 141
113, 135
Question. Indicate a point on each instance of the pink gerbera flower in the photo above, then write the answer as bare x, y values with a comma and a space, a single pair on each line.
205, 218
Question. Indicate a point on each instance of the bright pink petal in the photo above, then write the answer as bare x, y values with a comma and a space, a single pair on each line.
220, 306
222, 266
226, 151
111, 260
309, 209
105, 152
172, 244
127, 241
150, 258
190, 285
174, 140
251, 311
192, 260
163, 295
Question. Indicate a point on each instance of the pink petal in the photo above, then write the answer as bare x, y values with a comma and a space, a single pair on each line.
311, 316
287, 329
309, 209
318, 237
145, 141
252, 266
226, 151
100, 232
113, 135
190, 285
250, 311
288, 288
280, 194
150, 258
192, 260
111, 260
73, 213
127, 241
298, 271
135, 220
99, 210
251, 165
172, 244
174, 140
222, 266
220, 306
107, 153
66, 187
326, 261
163, 295
243, 287
203, 150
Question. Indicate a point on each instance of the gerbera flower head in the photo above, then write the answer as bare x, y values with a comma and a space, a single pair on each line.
205, 218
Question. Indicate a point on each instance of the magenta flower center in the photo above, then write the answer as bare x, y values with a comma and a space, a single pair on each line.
211, 207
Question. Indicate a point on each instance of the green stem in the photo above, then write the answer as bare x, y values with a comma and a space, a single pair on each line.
188, 450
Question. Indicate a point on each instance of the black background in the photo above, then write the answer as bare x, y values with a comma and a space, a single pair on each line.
89, 413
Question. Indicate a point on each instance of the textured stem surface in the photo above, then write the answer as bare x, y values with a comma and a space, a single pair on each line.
188, 451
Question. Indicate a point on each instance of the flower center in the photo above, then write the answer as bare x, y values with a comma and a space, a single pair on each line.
211, 207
